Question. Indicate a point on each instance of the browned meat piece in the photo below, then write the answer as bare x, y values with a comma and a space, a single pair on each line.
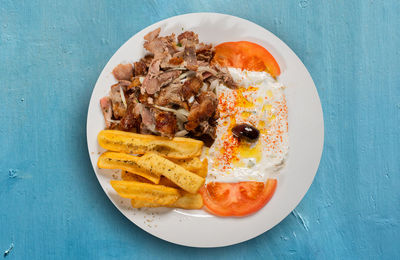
135, 83
191, 87
152, 83
152, 35
124, 83
154, 68
159, 46
147, 117
189, 56
224, 75
175, 61
105, 104
207, 129
118, 105
147, 59
204, 52
171, 94
131, 120
221, 73
123, 72
203, 110
140, 68
167, 77
165, 122
188, 36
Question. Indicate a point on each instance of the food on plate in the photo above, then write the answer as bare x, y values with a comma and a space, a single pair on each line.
237, 199
159, 165
186, 201
129, 176
152, 166
194, 165
246, 56
159, 194
169, 92
246, 132
126, 162
191, 123
126, 142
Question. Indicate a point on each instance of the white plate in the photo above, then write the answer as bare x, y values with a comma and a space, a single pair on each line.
306, 134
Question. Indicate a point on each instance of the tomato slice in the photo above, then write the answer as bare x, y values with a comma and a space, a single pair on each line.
246, 55
237, 199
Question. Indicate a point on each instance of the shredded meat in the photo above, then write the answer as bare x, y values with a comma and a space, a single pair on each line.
152, 35
123, 72
191, 87
202, 111
140, 68
165, 122
118, 107
131, 120
171, 94
204, 52
176, 73
190, 57
105, 104
188, 36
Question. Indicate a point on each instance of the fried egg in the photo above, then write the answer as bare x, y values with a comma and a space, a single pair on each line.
259, 101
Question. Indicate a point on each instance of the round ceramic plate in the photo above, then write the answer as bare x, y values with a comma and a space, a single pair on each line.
198, 228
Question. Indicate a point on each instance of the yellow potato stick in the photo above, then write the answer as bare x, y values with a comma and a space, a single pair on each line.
144, 204
126, 162
190, 164
158, 165
126, 142
128, 176
167, 182
194, 165
189, 201
204, 169
151, 193
186, 201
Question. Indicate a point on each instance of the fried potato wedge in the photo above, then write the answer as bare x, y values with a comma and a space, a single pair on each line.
126, 142
167, 182
126, 162
194, 165
128, 176
159, 165
190, 164
204, 169
156, 194
186, 201
144, 204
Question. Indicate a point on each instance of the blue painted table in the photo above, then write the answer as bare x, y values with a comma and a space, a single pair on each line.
51, 54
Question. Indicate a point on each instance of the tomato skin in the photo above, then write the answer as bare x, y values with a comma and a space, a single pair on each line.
246, 55
237, 199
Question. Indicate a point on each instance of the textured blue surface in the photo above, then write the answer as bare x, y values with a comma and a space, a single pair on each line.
51, 54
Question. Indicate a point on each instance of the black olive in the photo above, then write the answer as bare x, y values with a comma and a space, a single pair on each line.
246, 131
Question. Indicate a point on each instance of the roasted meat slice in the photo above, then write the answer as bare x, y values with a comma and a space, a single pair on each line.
202, 111
140, 68
191, 87
131, 120
171, 94
188, 37
123, 72
165, 122
105, 105
118, 100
